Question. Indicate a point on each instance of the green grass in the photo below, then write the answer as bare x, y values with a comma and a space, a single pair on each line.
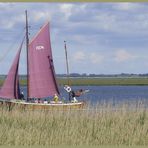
101, 125
98, 81
105, 81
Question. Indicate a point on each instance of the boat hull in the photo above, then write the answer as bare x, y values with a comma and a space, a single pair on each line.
40, 106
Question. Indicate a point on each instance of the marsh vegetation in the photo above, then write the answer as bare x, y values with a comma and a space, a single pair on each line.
98, 81
104, 124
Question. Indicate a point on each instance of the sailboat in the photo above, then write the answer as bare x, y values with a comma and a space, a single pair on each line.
41, 78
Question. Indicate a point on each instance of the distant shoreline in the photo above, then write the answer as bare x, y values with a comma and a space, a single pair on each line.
98, 81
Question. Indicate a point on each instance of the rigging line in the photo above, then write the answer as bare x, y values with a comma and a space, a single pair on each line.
11, 46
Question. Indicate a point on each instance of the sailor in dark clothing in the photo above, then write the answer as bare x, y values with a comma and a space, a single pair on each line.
22, 96
73, 96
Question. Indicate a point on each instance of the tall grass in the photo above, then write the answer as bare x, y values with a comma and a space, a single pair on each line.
103, 124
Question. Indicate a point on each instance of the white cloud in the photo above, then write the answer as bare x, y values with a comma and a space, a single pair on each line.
5, 6
121, 21
85, 57
66, 9
122, 55
96, 58
106, 21
127, 6
2, 5
7, 24
41, 15
19, 18
12, 21
79, 56
95, 28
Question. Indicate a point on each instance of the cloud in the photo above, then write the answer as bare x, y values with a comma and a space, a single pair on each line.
79, 56
96, 58
66, 9
41, 15
127, 6
7, 24
122, 56
96, 28
12, 21
5, 6
85, 57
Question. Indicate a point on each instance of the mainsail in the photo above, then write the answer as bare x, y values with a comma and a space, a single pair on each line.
42, 81
10, 88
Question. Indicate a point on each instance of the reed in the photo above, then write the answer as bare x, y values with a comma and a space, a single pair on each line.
103, 124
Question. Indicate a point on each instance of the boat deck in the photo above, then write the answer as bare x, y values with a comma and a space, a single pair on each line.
42, 106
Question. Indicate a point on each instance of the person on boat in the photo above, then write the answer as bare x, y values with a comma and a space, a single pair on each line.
56, 98
22, 96
45, 101
76, 94
40, 100
36, 100
73, 96
79, 93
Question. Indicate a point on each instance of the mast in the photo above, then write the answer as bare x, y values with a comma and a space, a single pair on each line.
27, 47
67, 67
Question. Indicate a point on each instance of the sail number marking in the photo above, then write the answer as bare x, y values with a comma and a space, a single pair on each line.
39, 47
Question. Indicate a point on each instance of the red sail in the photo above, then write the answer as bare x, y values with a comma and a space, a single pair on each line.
42, 81
10, 88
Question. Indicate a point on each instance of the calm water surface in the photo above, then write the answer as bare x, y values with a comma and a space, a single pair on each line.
109, 93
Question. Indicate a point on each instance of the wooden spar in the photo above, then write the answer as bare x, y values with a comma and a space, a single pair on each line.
27, 44
68, 80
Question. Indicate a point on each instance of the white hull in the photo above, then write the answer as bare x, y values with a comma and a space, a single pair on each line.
42, 106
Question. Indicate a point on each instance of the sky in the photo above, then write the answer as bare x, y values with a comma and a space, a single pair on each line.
102, 38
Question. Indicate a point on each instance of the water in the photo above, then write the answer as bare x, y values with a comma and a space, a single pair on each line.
109, 93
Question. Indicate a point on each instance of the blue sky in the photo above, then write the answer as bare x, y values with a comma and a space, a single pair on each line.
102, 38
